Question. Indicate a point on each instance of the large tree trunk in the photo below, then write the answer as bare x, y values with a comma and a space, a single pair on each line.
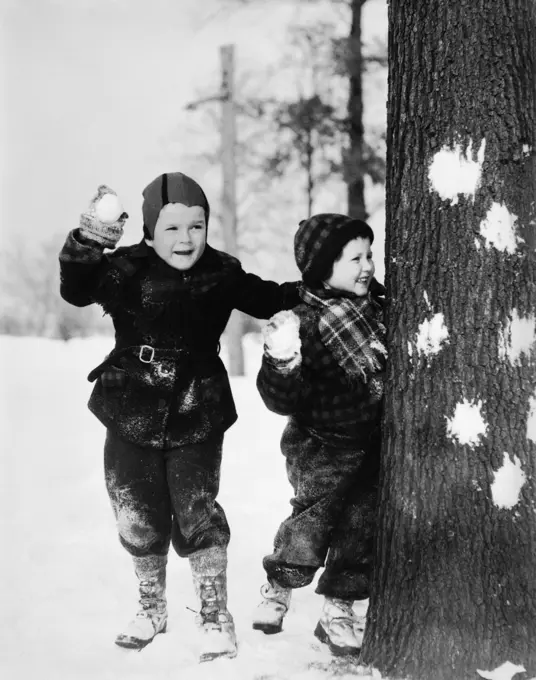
455, 582
354, 170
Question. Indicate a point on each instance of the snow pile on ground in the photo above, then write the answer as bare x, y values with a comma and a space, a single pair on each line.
68, 586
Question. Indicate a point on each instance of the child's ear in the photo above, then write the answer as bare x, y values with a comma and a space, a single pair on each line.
148, 242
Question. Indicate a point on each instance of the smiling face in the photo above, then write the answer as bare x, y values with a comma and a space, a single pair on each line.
354, 269
180, 235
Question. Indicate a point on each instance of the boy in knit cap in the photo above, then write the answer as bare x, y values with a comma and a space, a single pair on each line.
163, 392
322, 367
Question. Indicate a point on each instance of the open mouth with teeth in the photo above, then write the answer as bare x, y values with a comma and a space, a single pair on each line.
182, 252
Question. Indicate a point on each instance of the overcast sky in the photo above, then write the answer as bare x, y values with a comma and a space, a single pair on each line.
94, 90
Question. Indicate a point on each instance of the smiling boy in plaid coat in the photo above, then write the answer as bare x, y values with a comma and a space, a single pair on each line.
322, 366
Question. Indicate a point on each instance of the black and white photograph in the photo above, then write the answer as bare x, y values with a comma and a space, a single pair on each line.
268, 339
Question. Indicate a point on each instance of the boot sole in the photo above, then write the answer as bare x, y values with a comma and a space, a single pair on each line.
321, 634
137, 643
268, 628
223, 655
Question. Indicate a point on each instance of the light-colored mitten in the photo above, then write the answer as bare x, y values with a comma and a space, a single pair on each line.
104, 219
282, 339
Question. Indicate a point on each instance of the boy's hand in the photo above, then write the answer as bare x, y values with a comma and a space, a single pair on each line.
282, 336
376, 288
106, 234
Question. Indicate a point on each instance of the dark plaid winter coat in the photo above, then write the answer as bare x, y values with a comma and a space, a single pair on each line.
164, 384
318, 393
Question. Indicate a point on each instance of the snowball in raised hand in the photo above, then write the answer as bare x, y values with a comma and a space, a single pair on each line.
108, 209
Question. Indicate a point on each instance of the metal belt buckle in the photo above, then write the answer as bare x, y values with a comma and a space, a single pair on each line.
150, 349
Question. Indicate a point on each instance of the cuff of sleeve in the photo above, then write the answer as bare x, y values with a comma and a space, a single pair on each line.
284, 366
78, 248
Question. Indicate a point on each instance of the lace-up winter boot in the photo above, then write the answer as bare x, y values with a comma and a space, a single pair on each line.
151, 618
270, 613
214, 620
338, 627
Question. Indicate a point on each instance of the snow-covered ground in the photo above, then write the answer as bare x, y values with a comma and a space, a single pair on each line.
67, 586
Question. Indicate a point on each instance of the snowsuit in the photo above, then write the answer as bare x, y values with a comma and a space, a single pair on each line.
331, 445
163, 392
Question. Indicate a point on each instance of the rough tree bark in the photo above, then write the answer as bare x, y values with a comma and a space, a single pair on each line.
354, 171
455, 582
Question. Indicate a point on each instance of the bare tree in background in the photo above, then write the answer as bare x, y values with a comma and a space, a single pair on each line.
308, 129
310, 125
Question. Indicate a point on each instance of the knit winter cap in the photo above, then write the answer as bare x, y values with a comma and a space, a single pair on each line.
171, 187
319, 241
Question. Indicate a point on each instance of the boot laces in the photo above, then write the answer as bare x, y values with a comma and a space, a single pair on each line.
149, 598
342, 609
209, 606
273, 593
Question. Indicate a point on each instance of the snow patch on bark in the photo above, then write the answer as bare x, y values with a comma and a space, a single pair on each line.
498, 228
518, 338
531, 421
509, 480
432, 334
452, 172
505, 671
527, 149
467, 425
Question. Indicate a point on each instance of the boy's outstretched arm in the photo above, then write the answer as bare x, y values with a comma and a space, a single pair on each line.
279, 380
262, 299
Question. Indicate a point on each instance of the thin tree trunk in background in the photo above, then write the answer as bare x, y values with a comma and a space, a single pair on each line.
354, 169
234, 330
455, 581
310, 179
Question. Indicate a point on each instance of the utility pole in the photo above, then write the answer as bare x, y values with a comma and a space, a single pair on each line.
234, 330
229, 221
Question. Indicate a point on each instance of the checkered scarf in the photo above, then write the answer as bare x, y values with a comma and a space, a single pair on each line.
352, 329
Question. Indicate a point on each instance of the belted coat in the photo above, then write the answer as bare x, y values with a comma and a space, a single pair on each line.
164, 384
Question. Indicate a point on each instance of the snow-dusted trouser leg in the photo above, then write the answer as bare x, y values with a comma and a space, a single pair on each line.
151, 618
323, 478
270, 613
218, 637
136, 481
339, 627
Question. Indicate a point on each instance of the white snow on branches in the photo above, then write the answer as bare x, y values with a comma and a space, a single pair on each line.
452, 173
518, 338
505, 671
531, 421
432, 334
467, 425
498, 228
509, 480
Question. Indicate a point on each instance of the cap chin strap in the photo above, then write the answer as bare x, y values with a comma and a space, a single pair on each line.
165, 198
